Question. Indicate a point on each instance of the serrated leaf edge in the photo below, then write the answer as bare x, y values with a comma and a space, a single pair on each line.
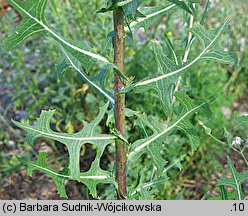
146, 82
145, 144
100, 58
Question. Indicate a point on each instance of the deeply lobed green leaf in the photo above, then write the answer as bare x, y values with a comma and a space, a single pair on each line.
150, 15
168, 72
182, 122
243, 120
155, 147
235, 181
81, 57
58, 178
74, 143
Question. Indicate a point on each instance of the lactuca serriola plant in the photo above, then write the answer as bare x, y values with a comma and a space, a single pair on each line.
178, 107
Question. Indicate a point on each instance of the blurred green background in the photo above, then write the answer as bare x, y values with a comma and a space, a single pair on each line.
29, 84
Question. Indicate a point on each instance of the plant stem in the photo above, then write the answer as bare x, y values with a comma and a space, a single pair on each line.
119, 43
243, 156
240, 151
191, 23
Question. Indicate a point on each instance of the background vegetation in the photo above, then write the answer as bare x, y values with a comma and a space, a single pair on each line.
28, 84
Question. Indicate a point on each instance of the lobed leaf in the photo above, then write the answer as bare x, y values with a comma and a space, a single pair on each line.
176, 162
150, 14
74, 143
145, 190
33, 22
182, 123
90, 178
243, 120
224, 194
235, 181
130, 6
187, 6
96, 83
168, 72
59, 178
154, 148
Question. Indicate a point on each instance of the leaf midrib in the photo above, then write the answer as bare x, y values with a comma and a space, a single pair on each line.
88, 80
186, 66
134, 23
66, 176
149, 185
61, 39
145, 144
61, 136
236, 181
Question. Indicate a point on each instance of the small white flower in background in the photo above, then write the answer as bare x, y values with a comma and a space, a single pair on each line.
237, 141
27, 50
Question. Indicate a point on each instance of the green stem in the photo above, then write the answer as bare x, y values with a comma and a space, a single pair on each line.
238, 151
121, 158
242, 154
